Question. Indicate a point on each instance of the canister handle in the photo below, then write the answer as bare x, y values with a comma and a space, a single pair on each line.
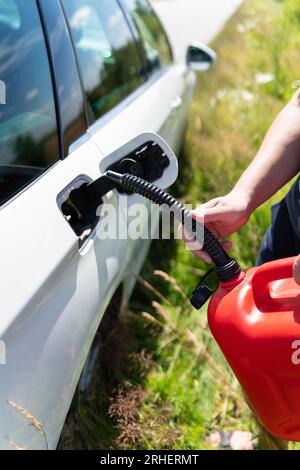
268, 272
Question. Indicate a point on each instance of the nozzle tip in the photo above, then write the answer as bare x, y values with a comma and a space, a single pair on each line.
114, 176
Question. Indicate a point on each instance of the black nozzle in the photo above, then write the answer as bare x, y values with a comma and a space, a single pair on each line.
226, 268
115, 177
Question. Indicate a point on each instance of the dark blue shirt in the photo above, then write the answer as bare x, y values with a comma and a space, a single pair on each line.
293, 205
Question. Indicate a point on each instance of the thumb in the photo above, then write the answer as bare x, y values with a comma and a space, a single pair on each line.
212, 214
201, 211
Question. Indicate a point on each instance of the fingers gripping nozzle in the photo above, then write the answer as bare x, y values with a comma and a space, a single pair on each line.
226, 267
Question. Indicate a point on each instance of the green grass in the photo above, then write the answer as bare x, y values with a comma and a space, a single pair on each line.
171, 386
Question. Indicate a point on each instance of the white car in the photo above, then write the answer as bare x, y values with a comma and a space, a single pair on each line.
79, 78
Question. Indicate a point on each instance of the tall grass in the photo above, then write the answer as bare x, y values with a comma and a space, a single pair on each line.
230, 115
174, 387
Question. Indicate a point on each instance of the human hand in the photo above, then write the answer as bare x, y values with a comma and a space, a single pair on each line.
222, 216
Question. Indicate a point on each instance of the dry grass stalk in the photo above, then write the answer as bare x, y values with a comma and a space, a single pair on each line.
200, 349
152, 289
123, 409
13, 444
161, 311
172, 281
33, 421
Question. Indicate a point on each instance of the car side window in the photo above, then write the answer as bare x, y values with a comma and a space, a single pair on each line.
109, 61
155, 44
28, 127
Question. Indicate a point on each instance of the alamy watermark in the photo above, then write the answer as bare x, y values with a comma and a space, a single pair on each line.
133, 221
296, 352
2, 353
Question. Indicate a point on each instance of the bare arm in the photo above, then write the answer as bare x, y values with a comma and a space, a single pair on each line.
278, 159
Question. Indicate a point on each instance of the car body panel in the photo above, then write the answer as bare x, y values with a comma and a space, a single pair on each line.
53, 293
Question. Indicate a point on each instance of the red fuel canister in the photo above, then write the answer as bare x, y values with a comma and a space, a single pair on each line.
255, 319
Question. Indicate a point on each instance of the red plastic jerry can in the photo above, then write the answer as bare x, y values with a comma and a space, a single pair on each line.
256, 321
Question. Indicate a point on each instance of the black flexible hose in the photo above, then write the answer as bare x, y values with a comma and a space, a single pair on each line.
226, 268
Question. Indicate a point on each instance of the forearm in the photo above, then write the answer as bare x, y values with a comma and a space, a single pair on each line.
278, 159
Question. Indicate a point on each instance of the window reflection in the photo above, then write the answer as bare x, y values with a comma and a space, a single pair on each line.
108, 58
28, 137
154, 41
